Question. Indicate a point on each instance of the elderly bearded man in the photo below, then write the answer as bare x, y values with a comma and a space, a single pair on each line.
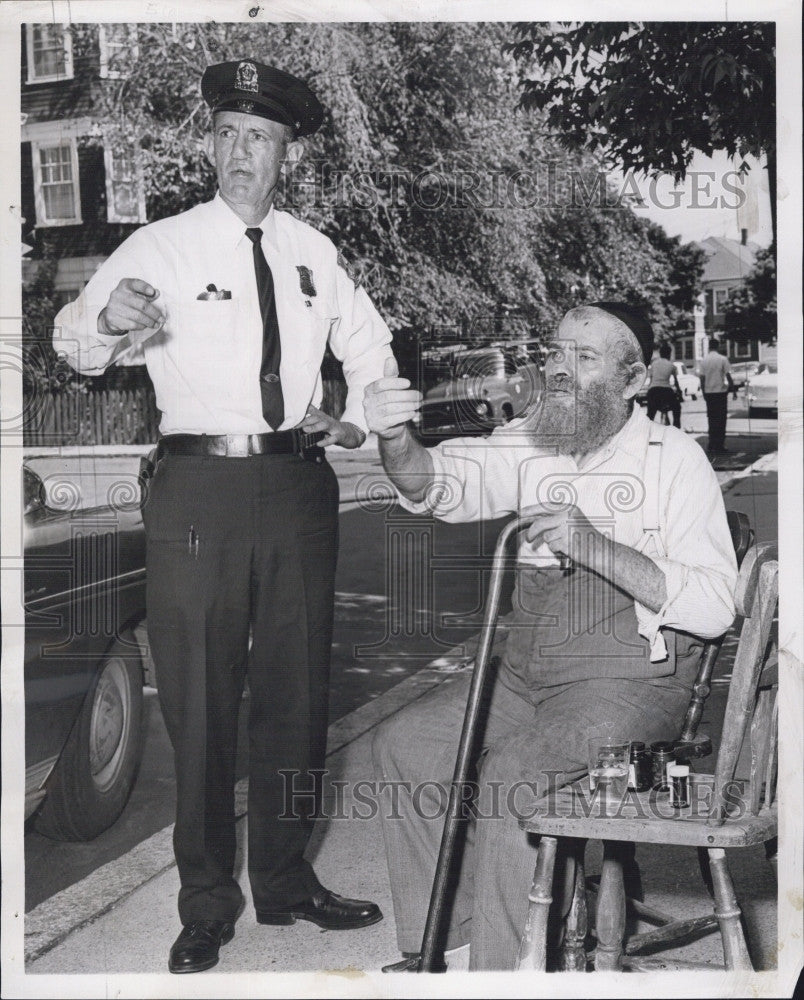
231, 305
608, 645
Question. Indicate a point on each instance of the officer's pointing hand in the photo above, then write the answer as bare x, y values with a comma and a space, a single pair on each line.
390, 402
131, 308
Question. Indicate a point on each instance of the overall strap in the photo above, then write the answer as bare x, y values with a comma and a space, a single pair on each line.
651, 521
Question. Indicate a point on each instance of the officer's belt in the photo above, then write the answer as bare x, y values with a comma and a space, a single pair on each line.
292, 442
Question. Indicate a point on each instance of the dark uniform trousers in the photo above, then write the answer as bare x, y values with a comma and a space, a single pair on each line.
240, 545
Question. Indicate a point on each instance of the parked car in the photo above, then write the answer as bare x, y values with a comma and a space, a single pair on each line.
688, 381
741, 371
762, 389
487, 387
84, 598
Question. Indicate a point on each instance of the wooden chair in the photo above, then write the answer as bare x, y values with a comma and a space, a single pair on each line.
725, 814
689, 745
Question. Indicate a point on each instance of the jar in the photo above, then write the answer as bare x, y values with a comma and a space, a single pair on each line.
661, 755
679, 776
640, 771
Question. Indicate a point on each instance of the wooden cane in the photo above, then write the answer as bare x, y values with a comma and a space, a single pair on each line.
463, 760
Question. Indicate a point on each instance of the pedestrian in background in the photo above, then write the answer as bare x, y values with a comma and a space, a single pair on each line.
231, 306
716, 384
661, 394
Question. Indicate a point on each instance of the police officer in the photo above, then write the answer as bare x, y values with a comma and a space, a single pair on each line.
231, 305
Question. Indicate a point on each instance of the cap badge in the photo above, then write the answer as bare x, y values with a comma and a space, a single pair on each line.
246, 78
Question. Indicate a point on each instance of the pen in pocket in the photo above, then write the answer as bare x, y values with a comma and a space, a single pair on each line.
192, 541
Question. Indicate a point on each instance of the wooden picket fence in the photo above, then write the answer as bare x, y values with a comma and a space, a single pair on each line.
114, 416
104, 416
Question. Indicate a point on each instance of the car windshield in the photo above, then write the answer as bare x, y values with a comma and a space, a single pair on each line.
767, 369
483, 363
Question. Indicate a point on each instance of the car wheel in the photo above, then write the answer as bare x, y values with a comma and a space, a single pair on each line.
93, 778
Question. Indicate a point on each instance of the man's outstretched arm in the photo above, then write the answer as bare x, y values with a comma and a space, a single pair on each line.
389, 404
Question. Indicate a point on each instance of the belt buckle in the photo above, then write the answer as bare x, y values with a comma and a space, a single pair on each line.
238, 446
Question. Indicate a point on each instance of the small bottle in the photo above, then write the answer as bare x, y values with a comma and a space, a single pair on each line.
640, 770
661, 756
679, 776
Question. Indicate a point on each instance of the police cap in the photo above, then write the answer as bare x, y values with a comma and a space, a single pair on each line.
252, 88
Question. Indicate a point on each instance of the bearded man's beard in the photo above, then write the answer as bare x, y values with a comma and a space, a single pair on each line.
579, 421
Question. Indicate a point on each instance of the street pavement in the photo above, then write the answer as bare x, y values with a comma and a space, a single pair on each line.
120, 921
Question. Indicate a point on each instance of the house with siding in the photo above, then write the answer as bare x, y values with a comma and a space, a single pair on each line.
79, 198
727, 264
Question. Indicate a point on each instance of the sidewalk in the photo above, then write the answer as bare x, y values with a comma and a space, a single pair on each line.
122, 919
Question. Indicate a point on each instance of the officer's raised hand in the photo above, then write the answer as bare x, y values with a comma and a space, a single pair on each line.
131, 308
389, 403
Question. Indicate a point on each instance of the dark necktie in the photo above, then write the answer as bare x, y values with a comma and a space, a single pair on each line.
273, 406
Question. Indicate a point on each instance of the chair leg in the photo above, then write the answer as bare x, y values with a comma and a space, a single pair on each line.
632, 875
533, 947
610, 920
771, 851
705, 869
735, 949
573, 951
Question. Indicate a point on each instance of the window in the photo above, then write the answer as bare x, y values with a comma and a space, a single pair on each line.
721, 294
740, 349
125, 197
56, 193
50, 53
118, 49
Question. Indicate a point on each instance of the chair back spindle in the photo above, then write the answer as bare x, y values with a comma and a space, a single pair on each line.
756, 600
742, 537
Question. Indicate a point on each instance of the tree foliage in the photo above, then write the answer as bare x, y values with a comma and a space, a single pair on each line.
750, 311
647, 95
459, 212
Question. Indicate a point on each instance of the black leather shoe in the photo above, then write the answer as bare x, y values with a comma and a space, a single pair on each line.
328, 910
196, 948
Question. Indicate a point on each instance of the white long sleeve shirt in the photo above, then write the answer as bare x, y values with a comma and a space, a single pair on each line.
205, 360
486, 478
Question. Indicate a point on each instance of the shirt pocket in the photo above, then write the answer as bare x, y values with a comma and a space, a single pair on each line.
210, 343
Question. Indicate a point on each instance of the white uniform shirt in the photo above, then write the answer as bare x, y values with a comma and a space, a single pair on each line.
205, 361
486, 478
